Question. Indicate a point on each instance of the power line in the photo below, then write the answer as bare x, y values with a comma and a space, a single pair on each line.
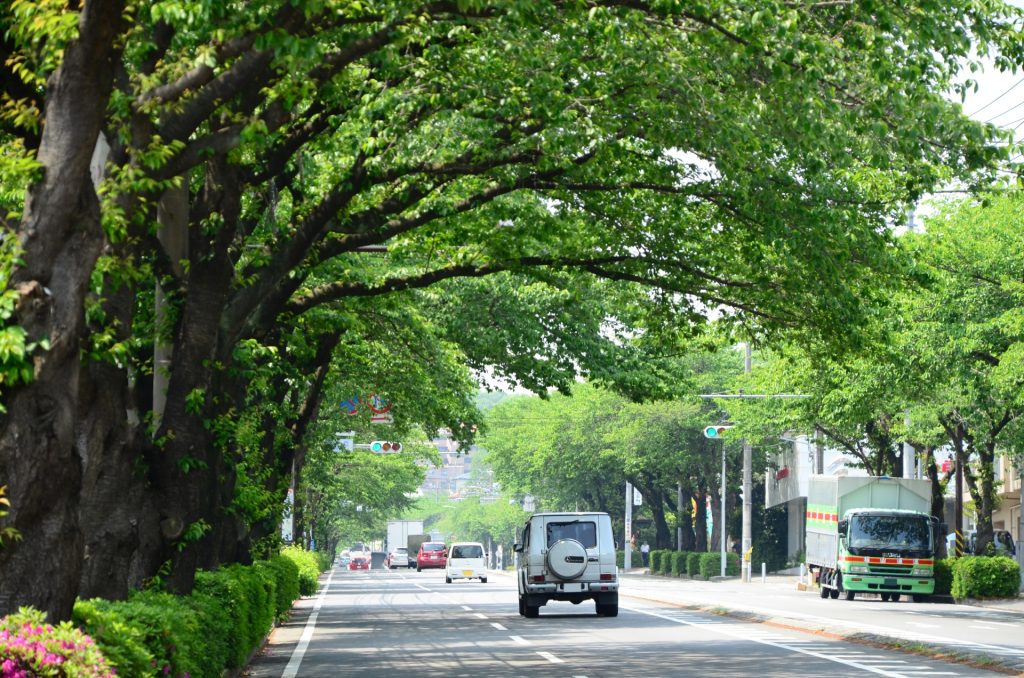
998, 97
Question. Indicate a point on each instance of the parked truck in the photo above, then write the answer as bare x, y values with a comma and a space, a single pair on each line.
399, 532
871, 535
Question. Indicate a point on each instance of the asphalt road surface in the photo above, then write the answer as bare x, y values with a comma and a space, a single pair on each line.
403, 623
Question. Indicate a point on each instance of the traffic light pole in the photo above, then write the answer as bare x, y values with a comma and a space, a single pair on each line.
748, 499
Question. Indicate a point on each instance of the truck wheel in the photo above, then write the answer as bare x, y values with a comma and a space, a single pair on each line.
833, 593
895, 597
849, 595
824, 591
920, 597
885, 597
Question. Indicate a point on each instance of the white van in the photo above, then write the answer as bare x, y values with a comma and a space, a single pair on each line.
567, 556
466, 560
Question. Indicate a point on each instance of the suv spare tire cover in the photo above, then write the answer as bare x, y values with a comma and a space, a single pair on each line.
567, 558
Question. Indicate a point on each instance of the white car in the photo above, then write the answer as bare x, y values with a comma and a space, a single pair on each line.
397, 558
466, 560
568, 556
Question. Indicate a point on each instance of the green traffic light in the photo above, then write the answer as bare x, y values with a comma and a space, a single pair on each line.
376, 446
711, 432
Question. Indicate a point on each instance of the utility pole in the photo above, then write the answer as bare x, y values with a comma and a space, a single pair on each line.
908, 449
959, 506
748, 499
627, 546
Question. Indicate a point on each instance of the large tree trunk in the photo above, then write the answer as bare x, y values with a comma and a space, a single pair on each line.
61, 239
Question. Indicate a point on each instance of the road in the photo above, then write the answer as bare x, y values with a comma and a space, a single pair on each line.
390, 623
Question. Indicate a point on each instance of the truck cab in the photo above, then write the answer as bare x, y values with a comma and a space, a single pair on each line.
889, 552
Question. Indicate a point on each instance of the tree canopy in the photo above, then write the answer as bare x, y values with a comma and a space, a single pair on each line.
311, 181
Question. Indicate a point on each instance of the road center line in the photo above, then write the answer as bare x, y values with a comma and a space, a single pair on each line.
292, 669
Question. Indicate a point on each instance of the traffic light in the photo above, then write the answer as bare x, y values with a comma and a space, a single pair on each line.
385, 446
715, 431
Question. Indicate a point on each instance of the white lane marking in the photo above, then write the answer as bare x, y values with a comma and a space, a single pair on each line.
983, 628
551, 658
480, 616
498, 626
736, 633
924, 626
467, 608
520, 640
299, 652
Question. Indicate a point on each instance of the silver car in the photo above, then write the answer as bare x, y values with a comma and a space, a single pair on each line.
397, 558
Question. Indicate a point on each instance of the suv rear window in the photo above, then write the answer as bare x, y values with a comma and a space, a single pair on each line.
433, 546
470, 551
585, 532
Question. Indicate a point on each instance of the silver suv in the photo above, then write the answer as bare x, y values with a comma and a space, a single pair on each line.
567, 556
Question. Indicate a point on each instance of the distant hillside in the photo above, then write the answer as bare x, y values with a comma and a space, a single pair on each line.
486, 400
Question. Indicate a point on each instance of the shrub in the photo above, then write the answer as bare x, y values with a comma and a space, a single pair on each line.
29, 647
247, 594
693, 564
679, 563
710, 564
985, 577
620, 558
944, 576
309, 569
172, 631
286, 575
656, 560
122, 644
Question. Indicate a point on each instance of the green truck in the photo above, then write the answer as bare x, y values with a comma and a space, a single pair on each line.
871, 535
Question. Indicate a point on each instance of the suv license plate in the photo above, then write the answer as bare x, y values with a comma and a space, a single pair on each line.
572, 588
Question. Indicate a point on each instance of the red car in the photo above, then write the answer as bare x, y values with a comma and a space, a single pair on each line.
431, 554
359, 563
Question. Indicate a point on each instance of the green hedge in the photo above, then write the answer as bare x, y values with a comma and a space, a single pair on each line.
309, 568
226, 617
710, 564
679, 563
985, 577
655, 563
635, 559
944, 576
693, 563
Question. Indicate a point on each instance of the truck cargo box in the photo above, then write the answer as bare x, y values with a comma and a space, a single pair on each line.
830, 497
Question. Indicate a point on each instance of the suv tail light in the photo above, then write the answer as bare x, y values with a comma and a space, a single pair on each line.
537, 579
607, 577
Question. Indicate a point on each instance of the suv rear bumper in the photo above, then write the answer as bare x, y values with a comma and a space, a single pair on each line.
553, 589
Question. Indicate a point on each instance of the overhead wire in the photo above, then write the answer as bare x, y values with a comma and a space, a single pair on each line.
1008, 90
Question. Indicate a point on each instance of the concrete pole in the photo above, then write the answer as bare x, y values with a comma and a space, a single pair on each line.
627, 546
908, 455
721, 517
748, 490
958, 510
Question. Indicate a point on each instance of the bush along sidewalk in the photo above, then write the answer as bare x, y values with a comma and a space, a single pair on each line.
985, 577
215, 628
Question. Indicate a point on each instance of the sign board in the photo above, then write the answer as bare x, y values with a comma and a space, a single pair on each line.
638, 499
